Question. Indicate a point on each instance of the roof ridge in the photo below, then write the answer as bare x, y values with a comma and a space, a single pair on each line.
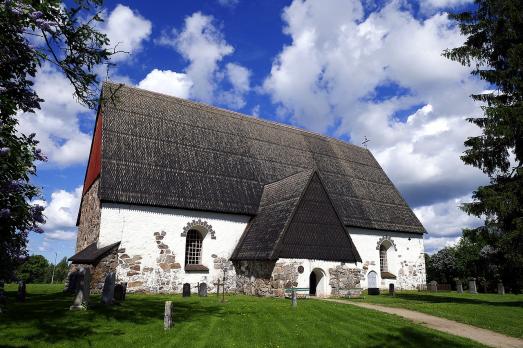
240, 115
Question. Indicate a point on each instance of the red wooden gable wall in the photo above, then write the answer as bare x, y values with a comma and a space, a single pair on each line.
94, 165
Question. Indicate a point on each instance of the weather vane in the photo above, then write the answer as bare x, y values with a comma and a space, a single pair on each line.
364, 143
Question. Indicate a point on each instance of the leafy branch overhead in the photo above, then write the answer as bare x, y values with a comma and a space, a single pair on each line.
35, 33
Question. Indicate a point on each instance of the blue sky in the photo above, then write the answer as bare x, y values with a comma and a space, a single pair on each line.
346, 69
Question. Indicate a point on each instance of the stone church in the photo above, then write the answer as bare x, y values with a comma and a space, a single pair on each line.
181, 192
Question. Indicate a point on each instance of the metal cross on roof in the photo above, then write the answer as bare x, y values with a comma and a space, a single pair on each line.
364, 143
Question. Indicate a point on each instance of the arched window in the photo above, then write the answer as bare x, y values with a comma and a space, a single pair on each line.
383, 259
193, 248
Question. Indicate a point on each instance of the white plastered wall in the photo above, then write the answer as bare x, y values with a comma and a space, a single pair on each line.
405, 258
134, 226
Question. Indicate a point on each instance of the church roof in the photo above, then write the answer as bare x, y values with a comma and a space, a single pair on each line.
165, 151
296, 219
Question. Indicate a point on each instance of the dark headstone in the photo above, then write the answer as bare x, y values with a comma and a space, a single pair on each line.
119, 292
108, 289
82, 290
391, 289
21, 291
186, 292
374, 291
72, 282
459, 286
433, 286
202, 290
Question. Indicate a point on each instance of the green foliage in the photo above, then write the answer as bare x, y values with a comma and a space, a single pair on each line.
494, 48
65, 37
34, 269
61, 271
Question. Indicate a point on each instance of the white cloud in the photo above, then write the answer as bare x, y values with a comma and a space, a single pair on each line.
127, 30
61, 235
341, 73
167, 82
202, 44
56, 124
228, 3
61, 212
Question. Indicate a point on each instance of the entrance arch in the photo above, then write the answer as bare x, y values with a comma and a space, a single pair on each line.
317, 283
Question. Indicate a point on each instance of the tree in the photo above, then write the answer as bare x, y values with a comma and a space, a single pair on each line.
33, 33
61, 270
33, 270
494, 47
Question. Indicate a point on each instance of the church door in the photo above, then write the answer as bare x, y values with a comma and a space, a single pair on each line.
372, 279
312, 284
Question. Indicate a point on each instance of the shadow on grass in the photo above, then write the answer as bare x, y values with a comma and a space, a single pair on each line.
412, 337
452, 299
51, 320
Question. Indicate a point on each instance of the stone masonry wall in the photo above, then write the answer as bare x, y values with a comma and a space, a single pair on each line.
343, 278
89, 224
411, 274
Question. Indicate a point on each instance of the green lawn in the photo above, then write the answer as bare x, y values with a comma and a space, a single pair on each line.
490, 311
243, 321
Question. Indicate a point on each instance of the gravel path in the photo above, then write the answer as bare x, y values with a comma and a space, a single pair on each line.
486, 337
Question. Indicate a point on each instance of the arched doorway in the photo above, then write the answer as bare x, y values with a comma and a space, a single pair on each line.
317, 283
312, 284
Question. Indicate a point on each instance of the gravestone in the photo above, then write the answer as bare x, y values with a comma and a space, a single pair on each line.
21, 291
82, 284
186, 292
472, 286
72, 279
294, 299
202, 290
167, 317
119, 292
3, 297
433, 286
501, 289
391, 289
459, 286
108, 289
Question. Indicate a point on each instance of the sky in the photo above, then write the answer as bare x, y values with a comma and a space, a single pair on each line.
346, 69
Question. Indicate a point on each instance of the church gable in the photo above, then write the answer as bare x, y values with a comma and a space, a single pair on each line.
315, 230
296, 219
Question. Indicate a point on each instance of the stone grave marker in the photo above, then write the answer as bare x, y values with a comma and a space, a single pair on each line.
433, 286
82, 289
167, 317
72, 279
3, 297
119, 292
108, 289
186, 292
391, 289
459, 286
294, 299
202, 290
21, 291
501, 289
472, 286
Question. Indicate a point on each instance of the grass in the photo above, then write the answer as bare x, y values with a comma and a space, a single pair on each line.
243, 321
501, 313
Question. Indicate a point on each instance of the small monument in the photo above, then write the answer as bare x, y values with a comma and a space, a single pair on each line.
391, 289
294, 299
82, 288
21, 291
472, 286
186, 292
167, 317
202, 290
459, 286
433, 286
501, 288
108, 289
119, 292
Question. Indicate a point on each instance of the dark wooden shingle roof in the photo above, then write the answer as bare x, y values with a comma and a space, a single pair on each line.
165, 151
296, 219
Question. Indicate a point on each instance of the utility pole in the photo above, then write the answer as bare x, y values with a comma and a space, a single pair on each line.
54, 266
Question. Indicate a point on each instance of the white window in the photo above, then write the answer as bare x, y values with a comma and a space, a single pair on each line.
193, 248
383, 259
